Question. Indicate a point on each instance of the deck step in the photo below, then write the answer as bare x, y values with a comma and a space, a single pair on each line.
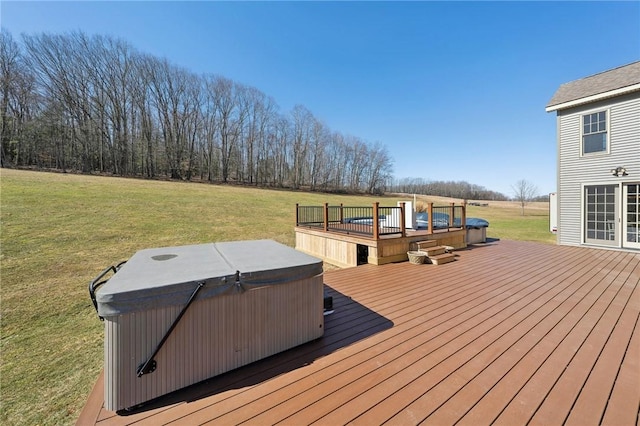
441, 259
434, 251
425, 244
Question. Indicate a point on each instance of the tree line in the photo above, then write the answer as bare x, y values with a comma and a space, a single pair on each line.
95, 104
454, 189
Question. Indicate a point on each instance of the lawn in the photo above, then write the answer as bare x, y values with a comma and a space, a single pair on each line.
507, 222
58, 231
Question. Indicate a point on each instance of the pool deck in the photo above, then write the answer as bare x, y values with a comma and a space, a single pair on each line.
510, 333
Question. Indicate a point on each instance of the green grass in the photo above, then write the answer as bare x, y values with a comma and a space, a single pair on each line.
507, 222
60, 230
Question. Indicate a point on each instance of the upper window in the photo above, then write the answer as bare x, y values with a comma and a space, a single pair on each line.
594, 132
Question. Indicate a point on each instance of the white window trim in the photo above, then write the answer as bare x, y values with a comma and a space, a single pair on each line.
598, 153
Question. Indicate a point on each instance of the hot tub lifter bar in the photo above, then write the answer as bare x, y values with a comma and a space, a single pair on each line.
150, 365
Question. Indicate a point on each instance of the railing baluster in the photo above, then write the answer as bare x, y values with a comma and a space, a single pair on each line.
451, 219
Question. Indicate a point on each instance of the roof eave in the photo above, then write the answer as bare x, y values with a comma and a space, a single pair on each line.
594, 98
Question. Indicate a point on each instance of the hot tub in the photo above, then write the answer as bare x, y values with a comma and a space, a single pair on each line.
175, 316
476, 230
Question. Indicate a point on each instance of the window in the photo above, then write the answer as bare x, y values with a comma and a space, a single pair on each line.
594, 132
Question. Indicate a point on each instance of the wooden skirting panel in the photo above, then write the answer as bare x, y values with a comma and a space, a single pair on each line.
342, 249
338, 252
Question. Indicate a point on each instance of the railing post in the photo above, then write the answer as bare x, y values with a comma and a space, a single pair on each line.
463, 219
452, 212
341, 214
376, 223
326, 217
297, 214
402, 219
430, 218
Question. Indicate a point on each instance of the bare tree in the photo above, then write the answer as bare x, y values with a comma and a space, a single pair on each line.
94, 103
303, 121
358, 154
211, 154
280, 146
524, 191
377, 169
230, 119
317, 152
143, 110
9, 57
19, 103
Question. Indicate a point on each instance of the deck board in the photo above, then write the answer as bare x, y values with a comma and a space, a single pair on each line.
510, 332
566, 339
595, 392
626, 392
514, 380
594, 324
497, 369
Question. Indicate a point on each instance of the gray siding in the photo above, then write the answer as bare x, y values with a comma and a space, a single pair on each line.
575, 171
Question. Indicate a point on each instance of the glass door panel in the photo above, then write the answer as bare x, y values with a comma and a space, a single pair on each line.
631, 216
600, 214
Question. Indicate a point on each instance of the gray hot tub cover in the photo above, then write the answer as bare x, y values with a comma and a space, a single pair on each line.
477, 223
160, 277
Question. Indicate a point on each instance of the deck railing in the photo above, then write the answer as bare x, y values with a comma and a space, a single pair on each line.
387, 220
446, 217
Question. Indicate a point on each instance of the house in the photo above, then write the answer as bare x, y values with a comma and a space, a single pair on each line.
598, 132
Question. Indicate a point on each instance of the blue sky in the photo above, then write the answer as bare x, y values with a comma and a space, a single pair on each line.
454, 90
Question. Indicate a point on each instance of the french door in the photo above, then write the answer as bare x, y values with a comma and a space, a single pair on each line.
631, 216
612, 215
601, 214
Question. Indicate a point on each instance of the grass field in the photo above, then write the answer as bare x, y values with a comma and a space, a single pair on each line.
58, 231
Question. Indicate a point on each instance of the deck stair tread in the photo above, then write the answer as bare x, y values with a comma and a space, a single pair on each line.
426, 244
437, 255
434, 251
440, 259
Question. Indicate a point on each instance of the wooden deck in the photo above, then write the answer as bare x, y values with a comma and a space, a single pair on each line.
511, 333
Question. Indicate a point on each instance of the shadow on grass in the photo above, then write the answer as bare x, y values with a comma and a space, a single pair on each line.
349, 323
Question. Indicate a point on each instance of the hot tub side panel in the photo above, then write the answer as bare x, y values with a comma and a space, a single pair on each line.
476, 235
214, 336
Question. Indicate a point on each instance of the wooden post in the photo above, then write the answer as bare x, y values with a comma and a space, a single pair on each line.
463, 219
326, 217
402, 219
452, 212
430, 218
376, 223
297, 214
